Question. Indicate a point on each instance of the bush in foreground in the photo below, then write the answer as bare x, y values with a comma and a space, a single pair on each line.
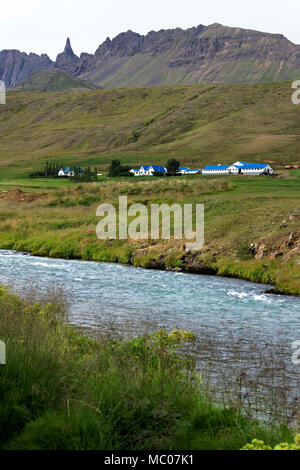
260, 445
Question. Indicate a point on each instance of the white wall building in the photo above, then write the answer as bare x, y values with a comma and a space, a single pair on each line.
239, 168
68, 172
244, 168
215, 170
148, 170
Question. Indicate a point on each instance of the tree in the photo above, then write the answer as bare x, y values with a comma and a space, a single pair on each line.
116, 169
173, 166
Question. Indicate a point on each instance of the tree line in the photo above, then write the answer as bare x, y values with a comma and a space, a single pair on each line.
51, 170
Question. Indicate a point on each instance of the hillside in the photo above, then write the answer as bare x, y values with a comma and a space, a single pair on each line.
197, 124
202, 54
54, 80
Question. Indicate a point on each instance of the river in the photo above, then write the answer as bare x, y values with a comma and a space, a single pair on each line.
237, 323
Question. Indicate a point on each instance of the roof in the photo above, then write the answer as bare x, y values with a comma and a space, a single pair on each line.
216, 167
184, 168
67, 170
193, 170
158, 168
251, 165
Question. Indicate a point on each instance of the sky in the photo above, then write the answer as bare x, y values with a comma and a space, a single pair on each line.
42, 26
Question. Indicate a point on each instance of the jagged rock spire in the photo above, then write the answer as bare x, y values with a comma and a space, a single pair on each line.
67, 60
68, 48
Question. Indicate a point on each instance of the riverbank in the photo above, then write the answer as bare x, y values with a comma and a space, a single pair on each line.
252, 225
64, 391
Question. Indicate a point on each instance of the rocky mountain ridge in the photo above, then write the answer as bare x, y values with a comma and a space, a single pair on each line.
203, 54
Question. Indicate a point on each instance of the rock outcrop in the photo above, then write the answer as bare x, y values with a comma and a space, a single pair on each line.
285, 249
16, 66
67, 60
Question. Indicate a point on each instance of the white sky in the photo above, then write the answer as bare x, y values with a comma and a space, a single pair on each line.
43, 25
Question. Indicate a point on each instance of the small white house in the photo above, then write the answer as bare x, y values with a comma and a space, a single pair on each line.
135, 171
65, 172
244, 168
68, 172
148, 170
215, 170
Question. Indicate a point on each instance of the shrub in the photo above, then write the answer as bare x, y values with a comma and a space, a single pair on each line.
260, 445
244, 251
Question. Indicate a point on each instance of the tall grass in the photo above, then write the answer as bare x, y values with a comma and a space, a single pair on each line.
62, 390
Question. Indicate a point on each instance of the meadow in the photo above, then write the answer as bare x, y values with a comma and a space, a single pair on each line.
197, 124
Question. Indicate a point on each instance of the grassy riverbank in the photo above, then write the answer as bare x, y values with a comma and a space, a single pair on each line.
252, 224
61, 390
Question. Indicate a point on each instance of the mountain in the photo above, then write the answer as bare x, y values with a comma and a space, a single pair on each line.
203, 54
54, 80
16, 66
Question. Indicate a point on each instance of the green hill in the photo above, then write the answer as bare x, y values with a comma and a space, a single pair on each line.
198, 124
54, 80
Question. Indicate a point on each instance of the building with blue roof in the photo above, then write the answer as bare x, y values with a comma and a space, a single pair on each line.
238, 168
245, 168
68, 171
149, 170
215, 170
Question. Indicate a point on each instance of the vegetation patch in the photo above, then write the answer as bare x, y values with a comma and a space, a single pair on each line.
63, 391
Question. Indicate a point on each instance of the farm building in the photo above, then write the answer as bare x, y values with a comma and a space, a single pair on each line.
65, 172
68, 172
238, 168
149, 170
244, 168
215, 170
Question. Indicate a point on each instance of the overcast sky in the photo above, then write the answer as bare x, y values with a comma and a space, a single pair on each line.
43, 25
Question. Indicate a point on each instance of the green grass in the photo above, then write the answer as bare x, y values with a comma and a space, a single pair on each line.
197, 124
62, 391
54, 81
